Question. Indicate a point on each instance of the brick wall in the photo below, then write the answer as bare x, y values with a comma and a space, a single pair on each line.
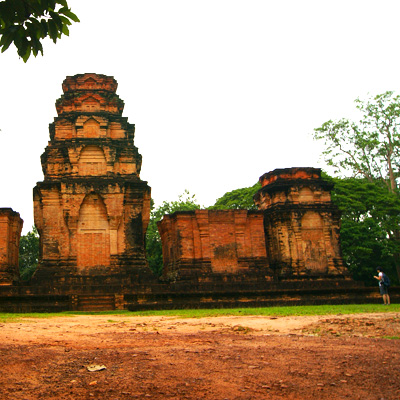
215, 242
10, 233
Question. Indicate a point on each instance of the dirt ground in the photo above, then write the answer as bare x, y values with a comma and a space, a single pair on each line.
124, 357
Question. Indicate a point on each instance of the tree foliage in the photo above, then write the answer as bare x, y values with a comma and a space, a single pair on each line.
238, 198
370, 149
185, 202
369, 212
28, 254
26, 22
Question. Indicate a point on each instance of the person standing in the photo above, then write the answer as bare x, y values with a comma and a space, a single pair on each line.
383, 285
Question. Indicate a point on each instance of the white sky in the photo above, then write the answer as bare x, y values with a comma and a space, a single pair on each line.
220, 91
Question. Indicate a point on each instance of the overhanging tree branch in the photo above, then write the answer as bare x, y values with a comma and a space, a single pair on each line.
26, 22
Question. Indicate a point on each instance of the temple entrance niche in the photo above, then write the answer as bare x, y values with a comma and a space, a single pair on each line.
90, 105
313, 244
92, 161
91, 129
93, 233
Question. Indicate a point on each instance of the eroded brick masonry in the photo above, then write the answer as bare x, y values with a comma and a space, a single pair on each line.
92, 209
206, 242
10, 233
295, 234
302, 225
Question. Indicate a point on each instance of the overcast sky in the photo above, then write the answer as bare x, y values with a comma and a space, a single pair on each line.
220, 91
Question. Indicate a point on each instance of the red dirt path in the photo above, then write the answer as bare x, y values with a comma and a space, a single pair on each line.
331, 357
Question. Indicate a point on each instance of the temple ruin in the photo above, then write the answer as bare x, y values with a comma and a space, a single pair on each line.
10, 233
201, 244
92, 211
302, 225
294, 235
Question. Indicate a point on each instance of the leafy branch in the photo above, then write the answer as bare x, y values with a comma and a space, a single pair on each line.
26, 22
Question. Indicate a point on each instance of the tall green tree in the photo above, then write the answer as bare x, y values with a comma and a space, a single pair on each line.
26, 22
28, 254
369, 148
368, 212
185, 202
238, 198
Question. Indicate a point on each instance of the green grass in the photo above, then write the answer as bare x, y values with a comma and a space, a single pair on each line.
266, 311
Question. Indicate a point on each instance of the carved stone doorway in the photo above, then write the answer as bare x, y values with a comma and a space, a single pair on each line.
93, 233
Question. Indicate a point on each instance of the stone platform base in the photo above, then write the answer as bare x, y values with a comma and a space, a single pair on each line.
184, 295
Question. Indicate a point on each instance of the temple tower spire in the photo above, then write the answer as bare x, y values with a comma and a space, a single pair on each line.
92, 209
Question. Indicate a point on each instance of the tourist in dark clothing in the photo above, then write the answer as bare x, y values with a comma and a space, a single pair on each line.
383, 286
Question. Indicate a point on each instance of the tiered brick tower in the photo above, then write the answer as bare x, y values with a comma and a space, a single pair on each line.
302, 225
92, 209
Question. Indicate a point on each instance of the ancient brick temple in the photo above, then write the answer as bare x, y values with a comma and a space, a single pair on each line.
302, 225
92, 209
10, 233
205, 243
295, 235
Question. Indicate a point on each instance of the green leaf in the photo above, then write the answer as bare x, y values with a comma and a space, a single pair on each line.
36, 46
21, 20
65, 20
36, 27
19, 9
65, 30
23, 46
27, 54
53, 31
68, 13
44, 28
63, 3
5, 41
56, 20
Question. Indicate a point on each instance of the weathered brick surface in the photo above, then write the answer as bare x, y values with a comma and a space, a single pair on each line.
10, 233
213, 242
92, 209
295, 235
302, 225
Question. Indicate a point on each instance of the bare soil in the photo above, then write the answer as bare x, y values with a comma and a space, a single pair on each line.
328, 357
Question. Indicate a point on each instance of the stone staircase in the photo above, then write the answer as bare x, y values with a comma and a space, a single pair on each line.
96, 302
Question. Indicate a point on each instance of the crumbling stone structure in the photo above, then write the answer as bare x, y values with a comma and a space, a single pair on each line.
10, 233
199, 244
302, 225
295, 235
92, 209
